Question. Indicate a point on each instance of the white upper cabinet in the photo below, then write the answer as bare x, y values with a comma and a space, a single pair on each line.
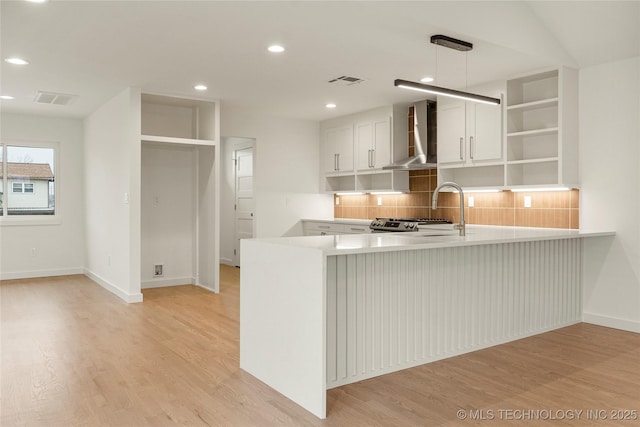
452, 133
356, 147
469, 132
338, 149
485, 142
373, 142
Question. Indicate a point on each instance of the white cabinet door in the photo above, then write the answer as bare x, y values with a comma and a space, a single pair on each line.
364, 142
373, 142
451, 133
469, 132
484, 132
381, 143
338, 151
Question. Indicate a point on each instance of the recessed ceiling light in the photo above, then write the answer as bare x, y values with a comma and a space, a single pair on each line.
6, 97
200, 87
426, 79
331, 105
275, 48
16, 61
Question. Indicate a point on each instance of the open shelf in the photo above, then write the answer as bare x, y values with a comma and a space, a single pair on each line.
534, 105
533, 173
340, 183
383, 181
178, 120
477, 176
533, 88
173, 140
540, 160
534, 132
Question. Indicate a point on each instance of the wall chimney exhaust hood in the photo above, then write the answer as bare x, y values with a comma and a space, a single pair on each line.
424, 139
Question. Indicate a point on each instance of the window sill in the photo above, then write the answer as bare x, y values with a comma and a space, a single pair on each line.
29, 221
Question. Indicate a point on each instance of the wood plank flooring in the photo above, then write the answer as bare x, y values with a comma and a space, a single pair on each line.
72, 354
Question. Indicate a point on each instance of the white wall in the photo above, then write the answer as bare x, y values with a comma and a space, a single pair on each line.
286, 174
112, 195
610, 191
168, 214
59, 247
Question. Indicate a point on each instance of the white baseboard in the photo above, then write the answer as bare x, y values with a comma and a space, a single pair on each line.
125, 296
41, 273
611, 322
227, 261
162, 283
206, 288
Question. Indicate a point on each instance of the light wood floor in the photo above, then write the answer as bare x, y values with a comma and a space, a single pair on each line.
75, 355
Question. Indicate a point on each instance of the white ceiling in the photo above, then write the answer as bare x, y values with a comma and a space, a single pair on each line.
95, 49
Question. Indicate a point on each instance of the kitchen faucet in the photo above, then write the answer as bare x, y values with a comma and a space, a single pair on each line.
434, 204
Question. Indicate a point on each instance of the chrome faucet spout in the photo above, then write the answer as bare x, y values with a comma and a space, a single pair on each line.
434, 204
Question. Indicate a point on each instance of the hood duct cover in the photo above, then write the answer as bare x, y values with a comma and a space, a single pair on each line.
424, 139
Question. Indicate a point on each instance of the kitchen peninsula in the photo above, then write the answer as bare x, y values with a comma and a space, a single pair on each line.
319, 312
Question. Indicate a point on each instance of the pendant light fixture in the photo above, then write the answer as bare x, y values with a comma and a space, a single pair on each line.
456, 44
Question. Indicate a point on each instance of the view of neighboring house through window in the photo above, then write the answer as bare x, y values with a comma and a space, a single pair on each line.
28, 180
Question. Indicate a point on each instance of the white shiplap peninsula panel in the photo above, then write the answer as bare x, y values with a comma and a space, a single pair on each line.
388, 311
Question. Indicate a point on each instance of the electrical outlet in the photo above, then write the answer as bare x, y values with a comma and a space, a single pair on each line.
158, 270
471, 201
337, 200
527, 201
379, 201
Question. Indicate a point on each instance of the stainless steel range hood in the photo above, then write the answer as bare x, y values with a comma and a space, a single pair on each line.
425, 139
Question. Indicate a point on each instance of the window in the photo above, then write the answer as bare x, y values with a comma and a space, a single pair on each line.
28, 173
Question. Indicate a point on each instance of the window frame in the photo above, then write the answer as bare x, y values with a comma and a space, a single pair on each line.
14, 186
27, 220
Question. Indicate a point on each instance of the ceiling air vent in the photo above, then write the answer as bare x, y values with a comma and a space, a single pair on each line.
346, 80
54, 98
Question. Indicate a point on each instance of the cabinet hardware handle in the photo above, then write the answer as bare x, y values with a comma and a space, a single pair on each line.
322, 233
472, 148
357, 229
336, 162
461, 147
324, 226
373, 158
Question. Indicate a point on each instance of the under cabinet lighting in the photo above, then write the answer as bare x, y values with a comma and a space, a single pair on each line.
331, 105
436, 90
200, 87
528, 190
355, 193
385, 192
16, 61
7, 97
37, 1
487, 190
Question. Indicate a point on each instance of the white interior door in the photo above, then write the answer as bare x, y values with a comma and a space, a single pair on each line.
244, 203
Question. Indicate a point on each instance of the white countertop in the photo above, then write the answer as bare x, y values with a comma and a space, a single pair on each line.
429, 237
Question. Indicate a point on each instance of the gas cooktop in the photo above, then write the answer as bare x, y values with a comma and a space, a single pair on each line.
403, 224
